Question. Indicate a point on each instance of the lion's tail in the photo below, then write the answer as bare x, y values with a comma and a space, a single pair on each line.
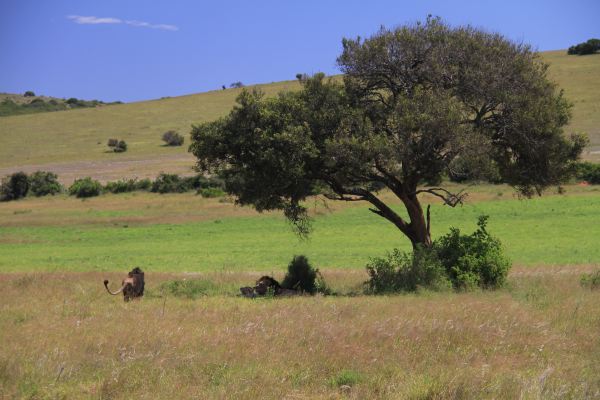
113, 293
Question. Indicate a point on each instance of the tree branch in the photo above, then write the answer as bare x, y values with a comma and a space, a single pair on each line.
449, 198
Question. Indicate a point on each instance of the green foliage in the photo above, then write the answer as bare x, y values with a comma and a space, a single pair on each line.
591, 280
211, 192
14, 186
236, 85
188, 288
398, 123
464, 262
43, 183
589, 47
346, 377
85, 187
9, 107
169, 183
588, 172
118, 146
28, 93
127, 185
300, 275
172, 138
475, 260
405, 272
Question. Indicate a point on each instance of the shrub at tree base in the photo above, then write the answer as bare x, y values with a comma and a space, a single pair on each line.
43, 183
473, 260
14, 186
405, 272
85, 187
462, 262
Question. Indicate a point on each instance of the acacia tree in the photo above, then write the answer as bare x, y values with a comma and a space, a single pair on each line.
413, 101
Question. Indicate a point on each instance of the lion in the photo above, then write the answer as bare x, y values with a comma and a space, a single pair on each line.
263, 285
132, 286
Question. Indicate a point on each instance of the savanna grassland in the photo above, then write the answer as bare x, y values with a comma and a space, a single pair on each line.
193, 336
186, 233
64, 337
73, 143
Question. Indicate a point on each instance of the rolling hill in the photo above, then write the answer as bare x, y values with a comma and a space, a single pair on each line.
72, 143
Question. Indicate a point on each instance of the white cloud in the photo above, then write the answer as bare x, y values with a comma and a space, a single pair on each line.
92, 20
143, 24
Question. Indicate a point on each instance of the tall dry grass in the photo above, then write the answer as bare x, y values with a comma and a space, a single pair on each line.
63, 337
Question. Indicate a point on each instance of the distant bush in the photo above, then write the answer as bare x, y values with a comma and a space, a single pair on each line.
29, 93
118, 146
236, 85
44, 183
14, 186
127, 185
211, 192
300, 275
85, 187
589, 47
589, 172
591, 280
172, 138
475, 260
169, 183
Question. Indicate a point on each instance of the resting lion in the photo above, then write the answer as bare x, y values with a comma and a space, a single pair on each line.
262, 287
132, 286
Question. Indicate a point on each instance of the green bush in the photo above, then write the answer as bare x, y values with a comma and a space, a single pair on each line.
475, 260
300, 275
43, 183
85, 187
591, 280
172, 138
118, 146
588, 172
14, 187
127, 185
211, 192
405, 272
169, 183
461, 261
29, 93
589, 47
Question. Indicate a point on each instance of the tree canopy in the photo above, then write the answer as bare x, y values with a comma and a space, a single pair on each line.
589, 47
414, 100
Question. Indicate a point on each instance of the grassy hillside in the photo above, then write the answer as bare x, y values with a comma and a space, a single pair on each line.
73, 143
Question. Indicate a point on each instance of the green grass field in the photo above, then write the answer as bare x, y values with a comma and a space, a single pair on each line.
73, 143
183, 232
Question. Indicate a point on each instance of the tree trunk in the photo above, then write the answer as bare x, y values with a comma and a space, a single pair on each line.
419, 232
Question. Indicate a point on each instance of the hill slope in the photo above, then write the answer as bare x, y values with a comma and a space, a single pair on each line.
73, 143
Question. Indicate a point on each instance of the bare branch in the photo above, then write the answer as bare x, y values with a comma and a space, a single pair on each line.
449, 198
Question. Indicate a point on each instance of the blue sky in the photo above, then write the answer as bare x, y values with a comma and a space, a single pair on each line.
134, 50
